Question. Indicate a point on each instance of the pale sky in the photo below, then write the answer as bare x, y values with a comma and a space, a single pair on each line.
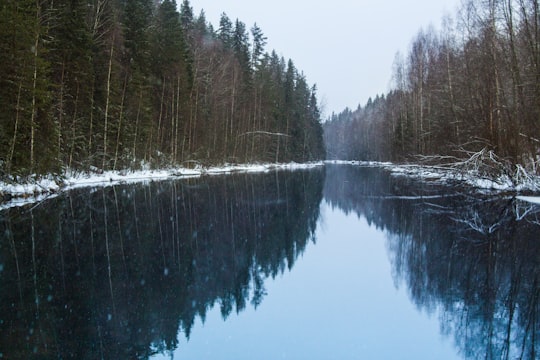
346, 47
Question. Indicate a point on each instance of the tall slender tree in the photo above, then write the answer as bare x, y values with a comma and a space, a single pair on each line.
113, 84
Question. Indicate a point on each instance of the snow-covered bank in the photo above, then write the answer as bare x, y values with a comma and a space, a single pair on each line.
502, 183
530, 199
359, 163
20, 194
519, 184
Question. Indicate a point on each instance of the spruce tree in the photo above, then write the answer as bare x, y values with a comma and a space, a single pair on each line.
240, 43
257, 49
186, 17
225, 31
72, 76
27, 145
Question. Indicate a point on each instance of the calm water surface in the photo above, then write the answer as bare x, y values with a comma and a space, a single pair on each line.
341, 262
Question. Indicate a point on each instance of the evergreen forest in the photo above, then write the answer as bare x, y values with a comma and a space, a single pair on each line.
472, 87
95, 85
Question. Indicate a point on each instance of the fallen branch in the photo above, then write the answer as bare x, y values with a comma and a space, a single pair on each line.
263, 133
529, 137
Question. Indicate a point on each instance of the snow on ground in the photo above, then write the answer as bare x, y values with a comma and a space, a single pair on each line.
441, 174
445, 175
530, 199
28, 193
359, 163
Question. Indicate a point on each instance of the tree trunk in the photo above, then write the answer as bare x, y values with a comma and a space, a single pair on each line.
107, 105
15, 131
120, 116
137, 119
34, 89
73, 127
61, 111
160, 119
177, 124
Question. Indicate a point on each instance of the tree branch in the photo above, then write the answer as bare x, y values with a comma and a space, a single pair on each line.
263, 133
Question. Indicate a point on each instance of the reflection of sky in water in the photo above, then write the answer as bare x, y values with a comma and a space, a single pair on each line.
121, 267
338, 302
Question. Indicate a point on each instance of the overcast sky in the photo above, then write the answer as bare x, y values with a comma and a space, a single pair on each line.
346, 47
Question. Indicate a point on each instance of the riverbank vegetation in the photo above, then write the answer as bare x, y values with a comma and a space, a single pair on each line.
466, 96
111, 84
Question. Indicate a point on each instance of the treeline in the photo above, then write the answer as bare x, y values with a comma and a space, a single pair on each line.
475, 85
116, 84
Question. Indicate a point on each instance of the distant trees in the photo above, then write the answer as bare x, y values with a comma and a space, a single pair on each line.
473, 86
115, 84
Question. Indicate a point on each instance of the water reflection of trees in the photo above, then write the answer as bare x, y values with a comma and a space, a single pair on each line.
474, 258
118, 272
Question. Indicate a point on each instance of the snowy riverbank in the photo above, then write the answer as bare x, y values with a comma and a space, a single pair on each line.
527, 184
19, 194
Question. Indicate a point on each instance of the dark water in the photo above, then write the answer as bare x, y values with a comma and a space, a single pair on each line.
339, 262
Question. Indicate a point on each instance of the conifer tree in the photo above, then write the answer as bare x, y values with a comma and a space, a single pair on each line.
71, 74
225, 31
240, 43
138, 106
113, 84
27, 125
257, 49
186, 17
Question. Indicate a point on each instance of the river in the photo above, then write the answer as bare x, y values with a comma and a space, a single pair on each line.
336, 262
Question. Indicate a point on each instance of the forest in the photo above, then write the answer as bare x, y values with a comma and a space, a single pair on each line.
95, 85
468, 90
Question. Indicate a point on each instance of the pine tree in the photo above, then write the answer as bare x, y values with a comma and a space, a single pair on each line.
136, 21
136, 63
71, 75
172, 71
257, 49
26, 124
289, 104
186, 17
15, 59
240, 44
225, 31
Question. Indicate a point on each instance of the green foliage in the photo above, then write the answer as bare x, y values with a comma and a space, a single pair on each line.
28, 131
137, 17
225, 32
